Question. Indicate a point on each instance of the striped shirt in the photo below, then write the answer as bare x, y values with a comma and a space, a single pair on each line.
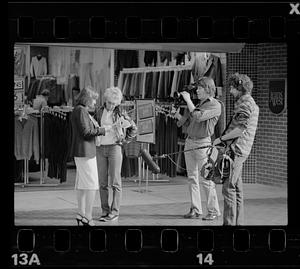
245, 117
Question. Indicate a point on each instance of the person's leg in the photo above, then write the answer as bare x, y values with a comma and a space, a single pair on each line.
240, 196
80, 195
211, 197
229, 192
89, 203
209, 186
115, 158
192, 171
102, 164
81, 202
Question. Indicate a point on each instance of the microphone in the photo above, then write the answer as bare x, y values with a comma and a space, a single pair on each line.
154, 168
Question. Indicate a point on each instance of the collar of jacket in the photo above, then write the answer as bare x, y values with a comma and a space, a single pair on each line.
209, 99
116, 112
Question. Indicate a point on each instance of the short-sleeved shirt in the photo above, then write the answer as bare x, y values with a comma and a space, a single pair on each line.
245, 117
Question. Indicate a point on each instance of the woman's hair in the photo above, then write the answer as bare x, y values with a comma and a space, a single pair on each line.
208, 84
241, 82
113, 94
86, 96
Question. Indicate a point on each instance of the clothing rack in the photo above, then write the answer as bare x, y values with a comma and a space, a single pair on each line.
142, 71
155, 69
26, 163
60, 112
45, 77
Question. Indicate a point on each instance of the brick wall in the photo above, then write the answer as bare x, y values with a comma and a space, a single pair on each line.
244, 62
267, 162
272, 129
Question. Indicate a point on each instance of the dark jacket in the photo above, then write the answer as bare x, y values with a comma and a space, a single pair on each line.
83, 133
214, 70
128, 133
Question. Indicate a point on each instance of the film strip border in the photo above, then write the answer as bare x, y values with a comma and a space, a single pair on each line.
155, 22
172, 246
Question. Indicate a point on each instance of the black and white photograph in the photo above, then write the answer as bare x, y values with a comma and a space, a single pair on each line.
218, 156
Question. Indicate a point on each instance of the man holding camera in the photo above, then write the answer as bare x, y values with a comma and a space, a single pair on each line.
241, 132
200, 121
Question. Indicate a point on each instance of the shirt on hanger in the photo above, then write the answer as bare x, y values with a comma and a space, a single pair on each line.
38, 66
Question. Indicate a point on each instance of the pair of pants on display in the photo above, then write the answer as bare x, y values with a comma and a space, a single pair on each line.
109, 159
194, 161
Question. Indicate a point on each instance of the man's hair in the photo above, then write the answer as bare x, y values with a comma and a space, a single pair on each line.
113, 94
208, 84
86, 96
241, 82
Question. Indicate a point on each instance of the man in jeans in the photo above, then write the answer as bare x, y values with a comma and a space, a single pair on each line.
241, 132
200, 122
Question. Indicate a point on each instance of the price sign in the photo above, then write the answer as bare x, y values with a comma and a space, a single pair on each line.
145, 121
19, 91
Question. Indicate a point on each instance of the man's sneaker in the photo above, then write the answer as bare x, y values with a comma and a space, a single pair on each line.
210, 216
111, 217
192, 215
103, 217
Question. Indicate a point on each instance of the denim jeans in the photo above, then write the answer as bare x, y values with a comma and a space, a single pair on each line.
233, 194
194, 161
109, 162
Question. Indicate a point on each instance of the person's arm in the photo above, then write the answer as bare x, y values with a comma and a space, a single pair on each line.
236, 132
84, 126
242, 117
132, 130
211, 111
182, 119
187, 98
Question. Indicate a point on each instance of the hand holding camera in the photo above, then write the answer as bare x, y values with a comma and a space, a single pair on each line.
175, 112
185, 95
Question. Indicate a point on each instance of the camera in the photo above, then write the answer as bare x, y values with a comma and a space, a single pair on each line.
191, 89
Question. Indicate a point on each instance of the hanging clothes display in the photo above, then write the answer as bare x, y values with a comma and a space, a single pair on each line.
150, 58
166, 142
38, 66
165, 56
126, 59
72, 89
209, 65
153, 82
180, 58
26, 138
56, 92
101, 72
57, 143
19, 61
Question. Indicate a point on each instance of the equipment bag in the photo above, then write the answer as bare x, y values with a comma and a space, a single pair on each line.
219, 164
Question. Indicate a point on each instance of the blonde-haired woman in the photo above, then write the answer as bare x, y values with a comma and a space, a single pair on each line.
109, 152
83, 149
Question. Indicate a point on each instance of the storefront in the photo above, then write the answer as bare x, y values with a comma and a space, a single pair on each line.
151, 72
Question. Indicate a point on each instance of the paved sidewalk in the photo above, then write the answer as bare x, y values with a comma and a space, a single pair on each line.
162, 204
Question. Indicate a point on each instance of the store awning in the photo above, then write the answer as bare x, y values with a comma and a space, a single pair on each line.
194, 47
